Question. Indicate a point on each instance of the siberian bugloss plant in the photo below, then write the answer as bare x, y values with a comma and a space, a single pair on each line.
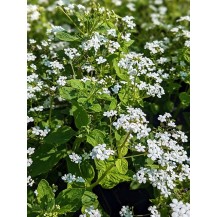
101, 100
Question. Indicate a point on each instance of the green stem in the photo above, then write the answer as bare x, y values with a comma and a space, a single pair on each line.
135, 155
101, 177
125, 140
92, 93
51, 106
74, 76
71, 21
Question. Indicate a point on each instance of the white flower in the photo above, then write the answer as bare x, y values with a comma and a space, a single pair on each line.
128, 20
100, 152
30, 151
71, 52
134, 122
162, 118
117, 2
37, 131
126, 212
53, 88
29, 119
36, 192
30, 181
140, 148
171, 124
116, 88
187, 18
140, 176
100, 60
131, 6
29, 162
180, 209
75, 158
110, 113
62, 80
32, 41
31, 57
56, 65
112, 32
126, 37
154, 211
92, 212
155, 47
69, 178
106, 90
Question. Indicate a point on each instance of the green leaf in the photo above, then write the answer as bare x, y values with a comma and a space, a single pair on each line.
149, 161
123, 151
82, 100
122, 165
73, 168
87, 171
123, 95
126, 45
60, 136
113, 178
66, 37
185, 98
68, 93
105, 97
100, 165
69, 200
76, 84
45, 158
96, 108
89, 199
80, 115
45, 195
96, 137
119, 72
113, 105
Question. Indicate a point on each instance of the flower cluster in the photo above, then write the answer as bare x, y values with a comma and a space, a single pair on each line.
30, 181
91, 212
71, 53
110, 113
143, 73
180, 209
30, 151
37, 131
69, 178
75, 158
154, 211
100, 152
126, 211
133, 122
166, 152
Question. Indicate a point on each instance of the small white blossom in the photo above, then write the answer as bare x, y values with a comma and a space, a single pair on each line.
140, 148
180, 209
100, 152
30, 151
75, 158
126, 212
154, 211
110, 113
62, 80
30, 119
100, 60
69, 178
126, 37
112, 32
30, 181
71, 52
